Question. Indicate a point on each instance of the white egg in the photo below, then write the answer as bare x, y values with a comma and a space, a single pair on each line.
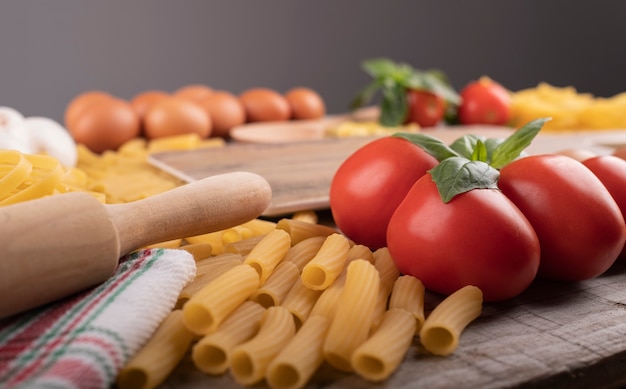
9, 117
9, 142
49, 137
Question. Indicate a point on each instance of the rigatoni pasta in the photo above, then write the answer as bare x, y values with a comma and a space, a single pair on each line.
302, 252
408, 294
351, 324
379, 356
324, 268
300, 300
443, 327
295, 364
249, 360
211, 354
207, 308
300, 230
268, 253
159, 356
275, 289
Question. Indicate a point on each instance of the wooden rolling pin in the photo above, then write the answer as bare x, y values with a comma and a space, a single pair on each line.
56, 246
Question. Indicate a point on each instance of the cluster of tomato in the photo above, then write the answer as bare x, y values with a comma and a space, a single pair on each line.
480, 212
427, 98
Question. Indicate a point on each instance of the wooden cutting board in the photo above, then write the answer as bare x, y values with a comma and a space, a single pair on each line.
300, 173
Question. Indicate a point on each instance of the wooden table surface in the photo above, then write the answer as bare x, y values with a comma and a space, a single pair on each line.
554, 335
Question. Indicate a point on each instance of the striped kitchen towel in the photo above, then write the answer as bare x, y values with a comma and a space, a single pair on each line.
84, 341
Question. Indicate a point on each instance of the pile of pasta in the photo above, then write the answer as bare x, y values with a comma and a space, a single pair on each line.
569, 109
264, 290
288, 296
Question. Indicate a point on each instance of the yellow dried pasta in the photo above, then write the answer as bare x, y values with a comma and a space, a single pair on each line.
249, 360
381, 354
324, 268
300, 300
268, 253
275, 289
351, 324
443, 327
207, 308
159, 356
292, 368
211, 354
300, 230
302, 252
408, 294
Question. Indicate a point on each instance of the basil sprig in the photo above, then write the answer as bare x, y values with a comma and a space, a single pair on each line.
392, 80
473, 162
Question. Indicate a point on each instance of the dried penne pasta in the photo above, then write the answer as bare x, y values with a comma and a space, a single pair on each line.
326, 304
300, 230
199, 250
209, 264
259, 226
302, 252
351, 324
292, 368
324, 268
211, 354
159, 356
209, 273
212, 238
443, 327
359, 251
305, 216
277, 286
207, 308
268, 253
235, 234
408, 294
243, 246
380, 307
386, 268
249, 360
300, 301
380, 355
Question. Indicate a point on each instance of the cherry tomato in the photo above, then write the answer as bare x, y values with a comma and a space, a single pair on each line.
424, 108
484, 102
479, 238
611, 170
369, 185
579, 224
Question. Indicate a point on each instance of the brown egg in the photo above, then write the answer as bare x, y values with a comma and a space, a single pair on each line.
225, 110
81, 102
194, 92
143, 101
105, 125
176, 116
305, 103
263, 104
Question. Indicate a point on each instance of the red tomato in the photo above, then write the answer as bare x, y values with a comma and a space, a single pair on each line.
484, 102
579, 225
369, 185
611, 170
424, 108
479, 238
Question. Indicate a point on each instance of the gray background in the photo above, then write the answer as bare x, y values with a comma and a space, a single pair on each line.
53, 50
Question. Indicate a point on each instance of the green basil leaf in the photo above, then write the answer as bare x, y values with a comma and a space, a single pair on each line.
394, 106
430, 144
511, 148
458, 175
379, 67
466, 144
480, 152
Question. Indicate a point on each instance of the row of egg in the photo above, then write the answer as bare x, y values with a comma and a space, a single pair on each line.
103, 122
